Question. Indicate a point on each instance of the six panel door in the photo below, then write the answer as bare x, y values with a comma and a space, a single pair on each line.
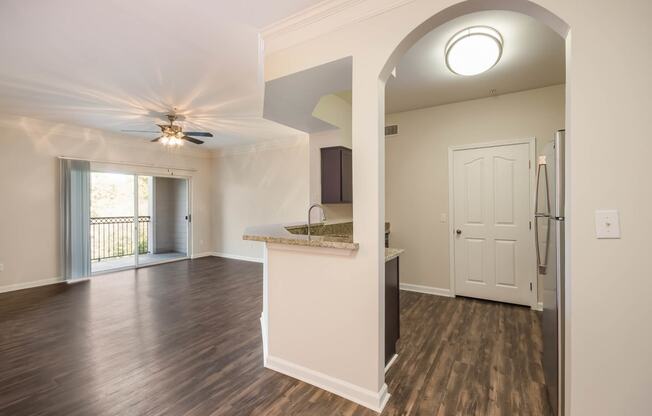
494, 248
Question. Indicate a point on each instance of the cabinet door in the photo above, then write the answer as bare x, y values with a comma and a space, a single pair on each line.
392, 318
347, 175
331, 177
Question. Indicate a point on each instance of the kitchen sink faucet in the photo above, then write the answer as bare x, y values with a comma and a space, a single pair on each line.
323, 216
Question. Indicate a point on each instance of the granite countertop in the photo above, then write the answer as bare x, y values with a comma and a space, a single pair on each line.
329, 235
279, 234
392, 253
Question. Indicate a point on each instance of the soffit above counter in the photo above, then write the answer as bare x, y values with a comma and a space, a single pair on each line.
291, 100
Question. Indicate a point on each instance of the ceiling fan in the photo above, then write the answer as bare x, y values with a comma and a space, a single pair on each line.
173, 134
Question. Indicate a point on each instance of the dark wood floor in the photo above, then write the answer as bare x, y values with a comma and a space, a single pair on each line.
184, 339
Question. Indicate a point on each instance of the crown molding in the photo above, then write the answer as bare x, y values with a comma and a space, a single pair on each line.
322, 18
307, 16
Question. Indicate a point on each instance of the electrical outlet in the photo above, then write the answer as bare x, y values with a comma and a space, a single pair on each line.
2, 267
443, 218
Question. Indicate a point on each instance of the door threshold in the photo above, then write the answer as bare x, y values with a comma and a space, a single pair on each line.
142, 266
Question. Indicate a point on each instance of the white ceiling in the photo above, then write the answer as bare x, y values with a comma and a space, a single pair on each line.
121, 64
533, 57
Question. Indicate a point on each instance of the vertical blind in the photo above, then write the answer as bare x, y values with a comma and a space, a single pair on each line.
75, 212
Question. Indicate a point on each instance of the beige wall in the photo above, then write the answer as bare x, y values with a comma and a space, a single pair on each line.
229, 191
29, 189
608, 99
254, 186
416, 168
310, 322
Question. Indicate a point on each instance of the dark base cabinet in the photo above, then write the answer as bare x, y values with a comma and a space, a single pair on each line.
392, 322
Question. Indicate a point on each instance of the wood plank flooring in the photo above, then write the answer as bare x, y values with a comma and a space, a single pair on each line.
184, 339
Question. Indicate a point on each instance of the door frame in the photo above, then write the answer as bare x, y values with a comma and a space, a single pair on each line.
532, 143
189, 222
137, 170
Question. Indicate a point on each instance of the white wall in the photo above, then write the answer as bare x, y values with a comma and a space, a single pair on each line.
609, 96
258, 185
29, 190
416, 167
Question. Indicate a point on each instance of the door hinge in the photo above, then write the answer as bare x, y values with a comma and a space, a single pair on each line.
530, 286
530, 225
188, 218
529, 164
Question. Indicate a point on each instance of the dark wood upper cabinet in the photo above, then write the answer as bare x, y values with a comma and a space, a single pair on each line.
336, 175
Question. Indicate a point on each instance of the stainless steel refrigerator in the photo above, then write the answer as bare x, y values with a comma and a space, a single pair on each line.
549, 230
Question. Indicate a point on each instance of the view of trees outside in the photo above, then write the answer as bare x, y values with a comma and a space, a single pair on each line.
112, 195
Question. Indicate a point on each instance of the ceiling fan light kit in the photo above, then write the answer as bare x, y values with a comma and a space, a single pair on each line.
173, 134
171, 141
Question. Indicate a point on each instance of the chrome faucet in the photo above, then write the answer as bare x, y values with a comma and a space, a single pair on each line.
323, 216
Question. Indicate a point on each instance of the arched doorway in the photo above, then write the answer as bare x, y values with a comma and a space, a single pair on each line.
461, 9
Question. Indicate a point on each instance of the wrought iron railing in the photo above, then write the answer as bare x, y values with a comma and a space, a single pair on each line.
113, 237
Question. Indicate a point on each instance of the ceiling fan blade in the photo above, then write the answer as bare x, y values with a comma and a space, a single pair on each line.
192, 140
198, 133
140, 131
157, 139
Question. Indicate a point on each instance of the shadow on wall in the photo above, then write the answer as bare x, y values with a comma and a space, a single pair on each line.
258, 187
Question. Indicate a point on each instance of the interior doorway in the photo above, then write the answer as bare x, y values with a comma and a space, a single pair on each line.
137, 220
492, 246
463, 77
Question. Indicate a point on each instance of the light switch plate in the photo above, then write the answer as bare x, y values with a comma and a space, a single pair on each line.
607, 223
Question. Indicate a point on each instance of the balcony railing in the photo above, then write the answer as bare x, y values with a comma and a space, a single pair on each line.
113, 237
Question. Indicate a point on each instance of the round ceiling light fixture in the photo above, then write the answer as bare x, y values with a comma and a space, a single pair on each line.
474, 50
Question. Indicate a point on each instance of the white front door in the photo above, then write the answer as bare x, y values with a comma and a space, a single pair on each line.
493, 243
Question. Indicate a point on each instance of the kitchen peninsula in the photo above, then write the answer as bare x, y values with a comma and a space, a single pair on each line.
308, 303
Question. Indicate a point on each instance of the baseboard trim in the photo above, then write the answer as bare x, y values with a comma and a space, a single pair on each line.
375, 401
238, 257
28, 285
200, 255
391, 362
538, 307
430, 290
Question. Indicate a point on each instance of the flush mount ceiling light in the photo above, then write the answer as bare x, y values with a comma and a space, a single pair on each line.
474, 50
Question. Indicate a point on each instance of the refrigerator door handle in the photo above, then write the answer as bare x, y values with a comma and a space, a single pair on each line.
542, 265
542, 169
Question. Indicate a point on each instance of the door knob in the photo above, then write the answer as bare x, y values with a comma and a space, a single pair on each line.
458, 231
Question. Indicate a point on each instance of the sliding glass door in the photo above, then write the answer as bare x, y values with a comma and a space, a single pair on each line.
137, 220
112, 233
165, 205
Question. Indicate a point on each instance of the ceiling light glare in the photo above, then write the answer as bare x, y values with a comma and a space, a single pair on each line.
474, 50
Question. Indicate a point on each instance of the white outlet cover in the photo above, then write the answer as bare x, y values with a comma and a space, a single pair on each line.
607, 223
443, 217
